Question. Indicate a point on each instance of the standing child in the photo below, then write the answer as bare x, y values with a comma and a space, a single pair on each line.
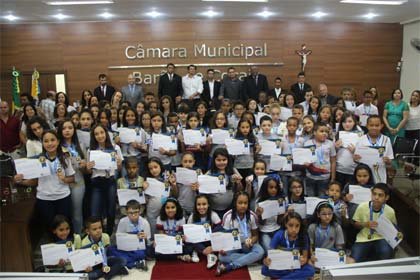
333, 194
198, 148
219, 121
266, 126
187, 193
308, 95
251, 182
238, 110
83, 134
314, 106
366, 109
308, 128
34, 131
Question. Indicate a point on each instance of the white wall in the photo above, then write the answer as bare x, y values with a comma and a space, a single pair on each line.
410, 72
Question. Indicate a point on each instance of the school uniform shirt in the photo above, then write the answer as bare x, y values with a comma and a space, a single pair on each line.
75, 159
233, 121
345, 162
33, 148
246, 161
362, 215
242, 225
328, 238
126, 183
84, 139
279, 241
50, 187
104, 239
305, 106
215, 220
323, 154
379, 173
364, 112
268, 225
170, 226
111, 172
127, 226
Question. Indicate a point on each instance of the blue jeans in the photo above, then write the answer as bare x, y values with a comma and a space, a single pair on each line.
372, 251
305, 272
77, 194
104, 199
265, 239
115, 263
316, 187
243, 257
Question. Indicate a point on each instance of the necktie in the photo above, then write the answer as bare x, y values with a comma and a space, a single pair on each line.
301, 87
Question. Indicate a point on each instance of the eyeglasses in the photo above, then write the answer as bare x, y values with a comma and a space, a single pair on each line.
133, 212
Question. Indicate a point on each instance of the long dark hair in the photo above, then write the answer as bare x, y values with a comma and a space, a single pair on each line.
317, 211
74, 138
213, 120
289, 186
25, 118
124, 121
234, 211
302, 235
179, 211
60, 154
347, 114
362, 166
83, 103
221, 152
160, 115
66, 98
156, 160
239, 135
263, 193
310, 111
56, 222
35, 119
196, 216
94, 145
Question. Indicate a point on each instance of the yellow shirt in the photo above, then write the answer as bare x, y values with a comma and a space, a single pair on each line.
105, 240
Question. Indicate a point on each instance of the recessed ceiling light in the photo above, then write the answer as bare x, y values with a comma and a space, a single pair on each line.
319, 14
210, 13
11, 17
106, 15
265, 14
60, 16
370, 15
374, 2
154, 14
258, 1
90, 2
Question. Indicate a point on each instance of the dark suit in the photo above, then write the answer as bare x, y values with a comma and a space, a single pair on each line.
272, 93
299, 93
108, 94
205, 95
252, 88
331, 100
172, 88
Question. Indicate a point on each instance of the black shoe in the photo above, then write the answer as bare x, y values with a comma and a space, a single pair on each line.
124, 271
142, 264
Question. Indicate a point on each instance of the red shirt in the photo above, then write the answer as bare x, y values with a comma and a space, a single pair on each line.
9, 134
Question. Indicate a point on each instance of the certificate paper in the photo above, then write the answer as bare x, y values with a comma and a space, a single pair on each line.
369, 156
348, 138
156, 188
283, 260
31, 168
125, 195
285, 113
186, 176
52, 253
103, 160
350, 105
164, 141
193, 137
219, 136
259, 116
269, 148
311, 203
236, 147
388, 231
303, 155
280, 163
129, 242
166, 244
326, 257
211, 184
226, 241
129, 135
271, 208
260, 180
197, 233
299, 208
83, 258
363, 119
360, 194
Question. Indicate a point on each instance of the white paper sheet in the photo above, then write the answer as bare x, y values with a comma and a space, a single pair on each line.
299, 208
52, 253
260, 180
311, 203
128, 135
326, 257
129, 242
156, 188
31, 168
236, 147
280, 163
363, 119
271, 208
163, 141
369, 156
350, 105
211, 184
83, 258
225, 241
302, 155
219, 135
360, 194
269, 148
285, 113
193, 137
197, 233
103, 160
348, 138
186, 176
283, 260
388, 231
166, 244
125, 195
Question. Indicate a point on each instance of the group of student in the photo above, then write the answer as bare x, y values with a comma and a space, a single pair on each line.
79, 199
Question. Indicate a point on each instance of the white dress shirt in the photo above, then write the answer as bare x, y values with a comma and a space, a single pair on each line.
192, 85
211, 86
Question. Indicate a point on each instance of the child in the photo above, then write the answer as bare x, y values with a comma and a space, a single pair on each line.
140, 108
322, 171
370, 245
267, 134
201, 215
308, 95
337, 117
219, 121
134, 148
242, 218
251, 106
251, 182
314, 106
114, 118
174, 128
201, 109
296, 193
298, 113
34, 130
292, 237
134, 223
375, 139
83, 134
170, 222
95, 239
348, 95
325, 116
103, 181
187, 193
183, 110
334, 198
366, 109
74, 116
270, 190
289, 101
262, 100
238, 110
275, 110
166, 106
308, 128
198, 148
244, 163
226, 106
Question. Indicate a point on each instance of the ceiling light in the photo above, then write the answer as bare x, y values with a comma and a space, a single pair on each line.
374, 2
106, 15
154, 14
258, 1
11, 17
265, 14
60, 16
210, 13
319, 14
58, 3
370, 15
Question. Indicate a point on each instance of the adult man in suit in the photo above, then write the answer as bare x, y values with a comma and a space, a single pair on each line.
277, 90
325, 97
132, 92
231, 87
170, 84
103, 91
211, 89
300, 88
255, 83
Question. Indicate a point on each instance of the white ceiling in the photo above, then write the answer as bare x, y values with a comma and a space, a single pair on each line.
38, 11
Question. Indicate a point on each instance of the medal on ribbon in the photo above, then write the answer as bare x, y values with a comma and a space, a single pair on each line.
235, 235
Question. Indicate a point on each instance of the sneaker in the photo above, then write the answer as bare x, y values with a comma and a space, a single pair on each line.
185, 258
142, 264
124, 271
220, 269
211, 260
195, 257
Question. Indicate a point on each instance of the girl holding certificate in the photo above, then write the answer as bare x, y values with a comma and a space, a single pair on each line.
219, 121
103, 181
314, 106
53, 191
243, 163
292, 237
34, 131
242, 218
308, 127
83, 134
187, 192
251, 182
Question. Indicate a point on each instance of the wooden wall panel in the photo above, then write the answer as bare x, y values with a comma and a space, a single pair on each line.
344, 54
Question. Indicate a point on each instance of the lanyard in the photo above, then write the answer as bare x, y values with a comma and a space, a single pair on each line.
322, 234
131, 185
54, 164
319, 152
371, 216
171, 230
378, 140
72, 149
367, 112
136, 227
243, 225
292, 146
102, 248
286, 238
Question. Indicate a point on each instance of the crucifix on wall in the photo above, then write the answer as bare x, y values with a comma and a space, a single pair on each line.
303, 53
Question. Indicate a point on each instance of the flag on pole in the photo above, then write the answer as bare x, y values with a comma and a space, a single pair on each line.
35, 89
15, 89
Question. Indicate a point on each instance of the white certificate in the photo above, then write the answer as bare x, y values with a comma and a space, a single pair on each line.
350, 105
269, 148
236, 147
363, 119
125, 195
186, 176
348, 138
129, 135
197, 233
156, 188
271, 208
166, 244
32, 168
326, 257
283, 260
259, 116
388, 231
129, 242
103, 160
303, 155
299, 208
166, 142
52, 253
83, 258
280, 163
219, 136
226, 241
311, 203
360, 194
193, 137
369, 156
84, 137
285, 113
211, 184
